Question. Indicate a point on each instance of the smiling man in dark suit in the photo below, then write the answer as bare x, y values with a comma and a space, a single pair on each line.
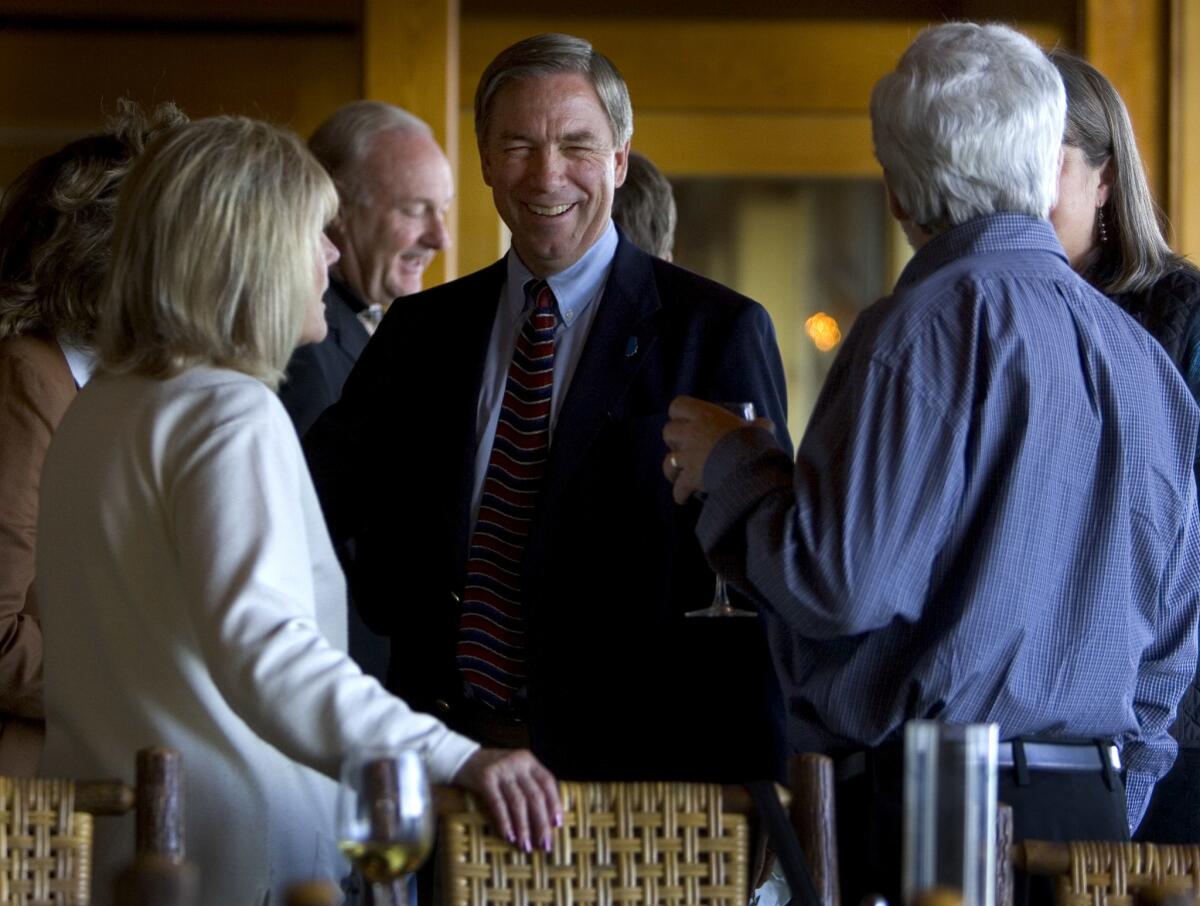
520, 548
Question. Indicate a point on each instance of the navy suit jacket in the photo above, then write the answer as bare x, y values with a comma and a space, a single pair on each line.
316, 372
621, 684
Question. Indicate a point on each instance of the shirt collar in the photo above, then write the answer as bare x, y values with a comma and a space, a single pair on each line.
80, 359
574, 288
986, 233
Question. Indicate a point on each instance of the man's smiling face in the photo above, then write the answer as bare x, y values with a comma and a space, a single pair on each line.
552, 162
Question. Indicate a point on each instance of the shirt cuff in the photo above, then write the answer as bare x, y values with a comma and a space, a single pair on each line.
447, 756
744, 466
1138, 787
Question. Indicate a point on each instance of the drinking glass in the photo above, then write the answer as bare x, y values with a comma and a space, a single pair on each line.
720, 606
385, 818
949, 814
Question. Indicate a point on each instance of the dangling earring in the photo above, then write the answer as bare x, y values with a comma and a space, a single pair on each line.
1100, 226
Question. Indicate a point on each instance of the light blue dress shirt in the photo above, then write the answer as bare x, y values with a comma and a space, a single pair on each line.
577, 291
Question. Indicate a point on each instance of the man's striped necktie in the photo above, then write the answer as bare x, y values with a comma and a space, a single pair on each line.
491, 643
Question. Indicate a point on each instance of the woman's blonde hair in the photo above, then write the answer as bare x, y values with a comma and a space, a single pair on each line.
56, 222
215, 251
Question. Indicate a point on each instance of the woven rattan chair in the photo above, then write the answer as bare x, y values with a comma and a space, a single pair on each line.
46, 828
632, 844
45, 844
1111, 874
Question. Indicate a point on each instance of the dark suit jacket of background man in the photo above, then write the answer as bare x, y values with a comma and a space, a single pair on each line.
621, 684
317, 371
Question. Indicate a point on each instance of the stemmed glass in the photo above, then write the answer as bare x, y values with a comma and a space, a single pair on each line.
720, 606
385, 818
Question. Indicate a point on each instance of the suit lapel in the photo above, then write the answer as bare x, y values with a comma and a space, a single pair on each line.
621, 336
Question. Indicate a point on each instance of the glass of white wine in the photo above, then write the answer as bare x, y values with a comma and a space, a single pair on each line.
385, 818
721, 606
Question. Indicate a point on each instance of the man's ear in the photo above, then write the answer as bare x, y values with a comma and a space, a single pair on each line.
894, 206
622, 166
916, 235
484, 166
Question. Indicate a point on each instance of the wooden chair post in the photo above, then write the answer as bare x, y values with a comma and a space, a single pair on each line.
1004, 862
160, 803
312, 893
156, 880
811, 779
55, 817
159, 876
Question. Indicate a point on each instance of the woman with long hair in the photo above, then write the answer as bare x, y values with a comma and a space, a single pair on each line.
176, 503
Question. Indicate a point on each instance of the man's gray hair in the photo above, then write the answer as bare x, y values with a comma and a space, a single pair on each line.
970, 123
342, 141
543, 55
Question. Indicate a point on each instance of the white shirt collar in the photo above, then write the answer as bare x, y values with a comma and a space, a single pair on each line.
81, 360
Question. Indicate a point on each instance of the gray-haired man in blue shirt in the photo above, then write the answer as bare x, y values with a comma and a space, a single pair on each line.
992, 515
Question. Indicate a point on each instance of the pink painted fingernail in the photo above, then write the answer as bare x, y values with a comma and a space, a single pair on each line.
511, 838
546, 843
558, 819
526, 845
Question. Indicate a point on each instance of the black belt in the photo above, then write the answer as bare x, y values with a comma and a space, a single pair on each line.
1024, 755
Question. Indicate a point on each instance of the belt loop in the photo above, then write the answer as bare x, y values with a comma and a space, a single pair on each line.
1020, 765
1105, 745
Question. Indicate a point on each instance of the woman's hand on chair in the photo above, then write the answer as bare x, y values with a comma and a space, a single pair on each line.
521, 794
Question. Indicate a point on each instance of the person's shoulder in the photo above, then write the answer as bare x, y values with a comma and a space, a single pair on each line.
38, 352
1176, 285
1169, 307
1183, 278
35, 364
36, 388
210, 397
460, 288
1178, 288
972, 299
677, 282
33, 346
689, 297
473, 294
206, 408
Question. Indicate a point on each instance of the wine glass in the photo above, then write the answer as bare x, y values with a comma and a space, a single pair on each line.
720, 606
385, 818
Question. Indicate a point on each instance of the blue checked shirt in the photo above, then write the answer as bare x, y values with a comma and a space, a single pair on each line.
991, 517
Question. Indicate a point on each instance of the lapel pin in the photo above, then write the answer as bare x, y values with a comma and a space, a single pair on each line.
631, 348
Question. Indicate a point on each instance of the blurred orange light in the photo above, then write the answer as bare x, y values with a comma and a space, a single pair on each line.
824, 331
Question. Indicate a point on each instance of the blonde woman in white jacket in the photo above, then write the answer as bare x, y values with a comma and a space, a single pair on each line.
190, 593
